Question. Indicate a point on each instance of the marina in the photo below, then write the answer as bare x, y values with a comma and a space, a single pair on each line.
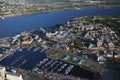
41, 63
60, 67
24, 59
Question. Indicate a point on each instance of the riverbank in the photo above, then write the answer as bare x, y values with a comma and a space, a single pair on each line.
78, 7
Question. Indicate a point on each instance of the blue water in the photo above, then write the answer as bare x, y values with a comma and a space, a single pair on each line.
15, 25
1, 51
17, 59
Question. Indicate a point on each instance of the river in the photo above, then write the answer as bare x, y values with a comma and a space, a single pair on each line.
15, 25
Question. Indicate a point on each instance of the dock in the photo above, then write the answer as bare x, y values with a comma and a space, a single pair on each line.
4, 56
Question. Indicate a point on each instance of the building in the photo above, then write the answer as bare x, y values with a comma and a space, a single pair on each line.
67, 49
99, 43
114, 54
101, 59
51, 34
13, 76
4, 75
68, 23
5, 44
111, 45
27, 42
62, 34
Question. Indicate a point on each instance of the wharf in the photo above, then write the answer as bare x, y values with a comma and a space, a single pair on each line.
5, 55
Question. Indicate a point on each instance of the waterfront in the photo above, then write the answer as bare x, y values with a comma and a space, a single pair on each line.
15, 25
32, 60
19, 57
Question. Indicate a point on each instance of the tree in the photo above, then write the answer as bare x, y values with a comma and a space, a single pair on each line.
78, 44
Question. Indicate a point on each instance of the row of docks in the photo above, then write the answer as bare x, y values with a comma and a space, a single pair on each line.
57, 76
49, 65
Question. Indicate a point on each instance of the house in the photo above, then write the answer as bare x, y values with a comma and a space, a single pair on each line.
67, 49
117, 53
27, 40
68, 23
99, 43
114, 54
110, 54
101, 59
111, 45
92, 44
5, 44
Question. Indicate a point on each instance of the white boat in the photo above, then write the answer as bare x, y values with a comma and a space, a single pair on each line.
2, 17
78, 8
20, 49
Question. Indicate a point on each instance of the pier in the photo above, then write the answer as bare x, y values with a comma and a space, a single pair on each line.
5, 55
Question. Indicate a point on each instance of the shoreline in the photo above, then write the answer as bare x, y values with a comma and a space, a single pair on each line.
59, 9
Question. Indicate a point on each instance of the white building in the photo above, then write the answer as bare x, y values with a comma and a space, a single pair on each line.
13, 76
2, 73
51, 34
8, 75
62, 34
101, 59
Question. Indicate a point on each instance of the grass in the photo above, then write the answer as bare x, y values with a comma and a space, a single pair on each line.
54, 54
114, 60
